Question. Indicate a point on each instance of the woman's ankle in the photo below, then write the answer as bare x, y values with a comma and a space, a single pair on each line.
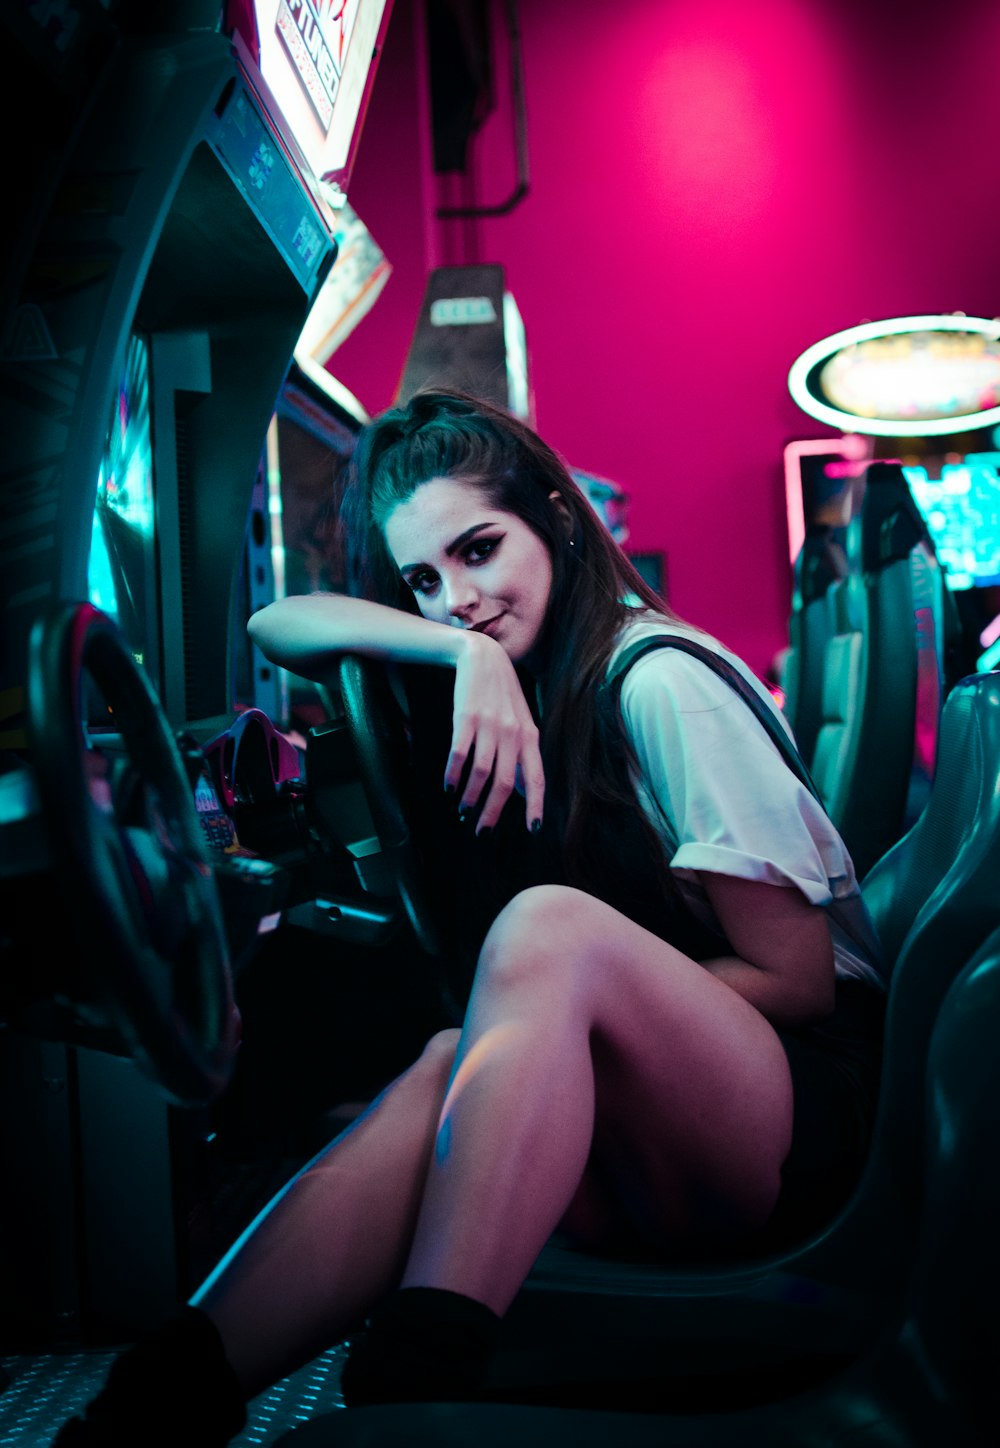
422, 1344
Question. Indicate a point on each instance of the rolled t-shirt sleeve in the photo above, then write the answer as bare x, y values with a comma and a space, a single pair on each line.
731, 804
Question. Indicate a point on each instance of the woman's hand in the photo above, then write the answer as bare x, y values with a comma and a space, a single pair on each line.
494, 735
494, 738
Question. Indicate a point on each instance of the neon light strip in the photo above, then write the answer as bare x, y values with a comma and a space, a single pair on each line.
888, 427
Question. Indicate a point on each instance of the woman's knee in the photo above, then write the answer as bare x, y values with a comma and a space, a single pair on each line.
538, 934
421, 1089
437, 1059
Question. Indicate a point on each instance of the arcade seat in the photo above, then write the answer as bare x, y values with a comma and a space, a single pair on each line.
884, 674
821, 563
851, 1331
929, 1380
934, 900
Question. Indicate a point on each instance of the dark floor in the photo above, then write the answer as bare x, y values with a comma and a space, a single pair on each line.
46, 1386
44, 1390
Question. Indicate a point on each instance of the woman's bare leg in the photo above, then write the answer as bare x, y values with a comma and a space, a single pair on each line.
580, 1020
581, 1027
336, 1239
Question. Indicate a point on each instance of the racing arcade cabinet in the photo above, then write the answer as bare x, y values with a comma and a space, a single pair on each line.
179, 221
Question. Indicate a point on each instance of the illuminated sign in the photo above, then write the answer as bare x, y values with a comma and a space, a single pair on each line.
317, 61
317, 40
907, 377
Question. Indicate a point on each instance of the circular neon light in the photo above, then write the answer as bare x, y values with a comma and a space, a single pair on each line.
906, 377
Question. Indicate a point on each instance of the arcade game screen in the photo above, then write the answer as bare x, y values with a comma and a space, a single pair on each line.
961, 504
122, 569
959, 498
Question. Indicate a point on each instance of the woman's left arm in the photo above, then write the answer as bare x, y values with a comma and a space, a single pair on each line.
783, 963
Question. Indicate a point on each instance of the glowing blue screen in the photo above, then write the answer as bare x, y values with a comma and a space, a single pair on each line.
962, 510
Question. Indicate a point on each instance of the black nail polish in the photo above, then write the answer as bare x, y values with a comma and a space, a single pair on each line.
486, 830
463, 814
449, 789
536, 825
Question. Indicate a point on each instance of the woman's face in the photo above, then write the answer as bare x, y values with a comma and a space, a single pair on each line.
470, 564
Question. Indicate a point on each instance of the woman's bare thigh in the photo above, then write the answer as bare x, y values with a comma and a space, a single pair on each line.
693, 1096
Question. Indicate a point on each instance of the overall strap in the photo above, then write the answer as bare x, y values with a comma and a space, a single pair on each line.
733, 678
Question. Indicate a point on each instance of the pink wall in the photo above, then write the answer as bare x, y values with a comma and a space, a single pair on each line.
714, 186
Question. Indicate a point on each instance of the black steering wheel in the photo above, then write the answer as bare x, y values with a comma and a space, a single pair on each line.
129, 855
378, 730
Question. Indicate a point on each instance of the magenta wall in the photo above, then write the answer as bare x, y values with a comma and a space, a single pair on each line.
714, 186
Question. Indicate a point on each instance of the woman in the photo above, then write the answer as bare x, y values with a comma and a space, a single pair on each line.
672, 1035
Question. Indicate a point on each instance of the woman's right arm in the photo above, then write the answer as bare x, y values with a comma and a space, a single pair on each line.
493, 731
306, 632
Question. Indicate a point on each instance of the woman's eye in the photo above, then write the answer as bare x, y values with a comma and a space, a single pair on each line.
481, 549
422, 582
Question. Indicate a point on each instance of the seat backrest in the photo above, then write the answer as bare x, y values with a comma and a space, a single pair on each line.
960, 818
957, 1277
934, 899
883, 673
835, 748
821, 564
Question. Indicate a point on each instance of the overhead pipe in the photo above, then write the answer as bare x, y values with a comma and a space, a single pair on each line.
520, 120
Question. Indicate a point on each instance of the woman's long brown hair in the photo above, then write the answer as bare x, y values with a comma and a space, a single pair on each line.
447, 434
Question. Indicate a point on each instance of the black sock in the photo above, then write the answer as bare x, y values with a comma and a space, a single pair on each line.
423, 1344
175, 1385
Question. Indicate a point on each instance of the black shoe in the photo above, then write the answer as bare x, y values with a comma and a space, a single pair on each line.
423, 1344
174, 1386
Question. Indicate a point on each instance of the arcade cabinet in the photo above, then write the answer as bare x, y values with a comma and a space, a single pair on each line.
895, 598
179, 216
293, 539
470, 336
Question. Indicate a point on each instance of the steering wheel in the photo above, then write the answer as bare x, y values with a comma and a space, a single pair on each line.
378, 730
152, 967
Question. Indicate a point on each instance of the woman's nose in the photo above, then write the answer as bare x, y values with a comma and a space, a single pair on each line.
459, 596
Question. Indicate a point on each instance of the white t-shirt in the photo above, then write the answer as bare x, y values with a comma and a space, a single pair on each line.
722, 798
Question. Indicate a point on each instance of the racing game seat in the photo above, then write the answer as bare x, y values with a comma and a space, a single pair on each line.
852, 1318
883, 674
821, 563
929, 1379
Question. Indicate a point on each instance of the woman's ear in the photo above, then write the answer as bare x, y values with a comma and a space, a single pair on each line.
562, 508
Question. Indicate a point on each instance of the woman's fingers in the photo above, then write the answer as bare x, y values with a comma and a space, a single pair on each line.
533, 777
462, 742
481, 770
501, 781
484, 764
493, 736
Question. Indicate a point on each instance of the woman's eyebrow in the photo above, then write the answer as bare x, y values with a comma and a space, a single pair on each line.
451, 548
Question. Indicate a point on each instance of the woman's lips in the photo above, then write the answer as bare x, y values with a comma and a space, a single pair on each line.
487, 624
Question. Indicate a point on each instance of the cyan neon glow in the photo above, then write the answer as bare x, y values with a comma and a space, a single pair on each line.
962, 511
919, 376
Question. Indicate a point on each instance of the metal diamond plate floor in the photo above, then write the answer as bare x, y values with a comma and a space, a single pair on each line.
43, 1391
